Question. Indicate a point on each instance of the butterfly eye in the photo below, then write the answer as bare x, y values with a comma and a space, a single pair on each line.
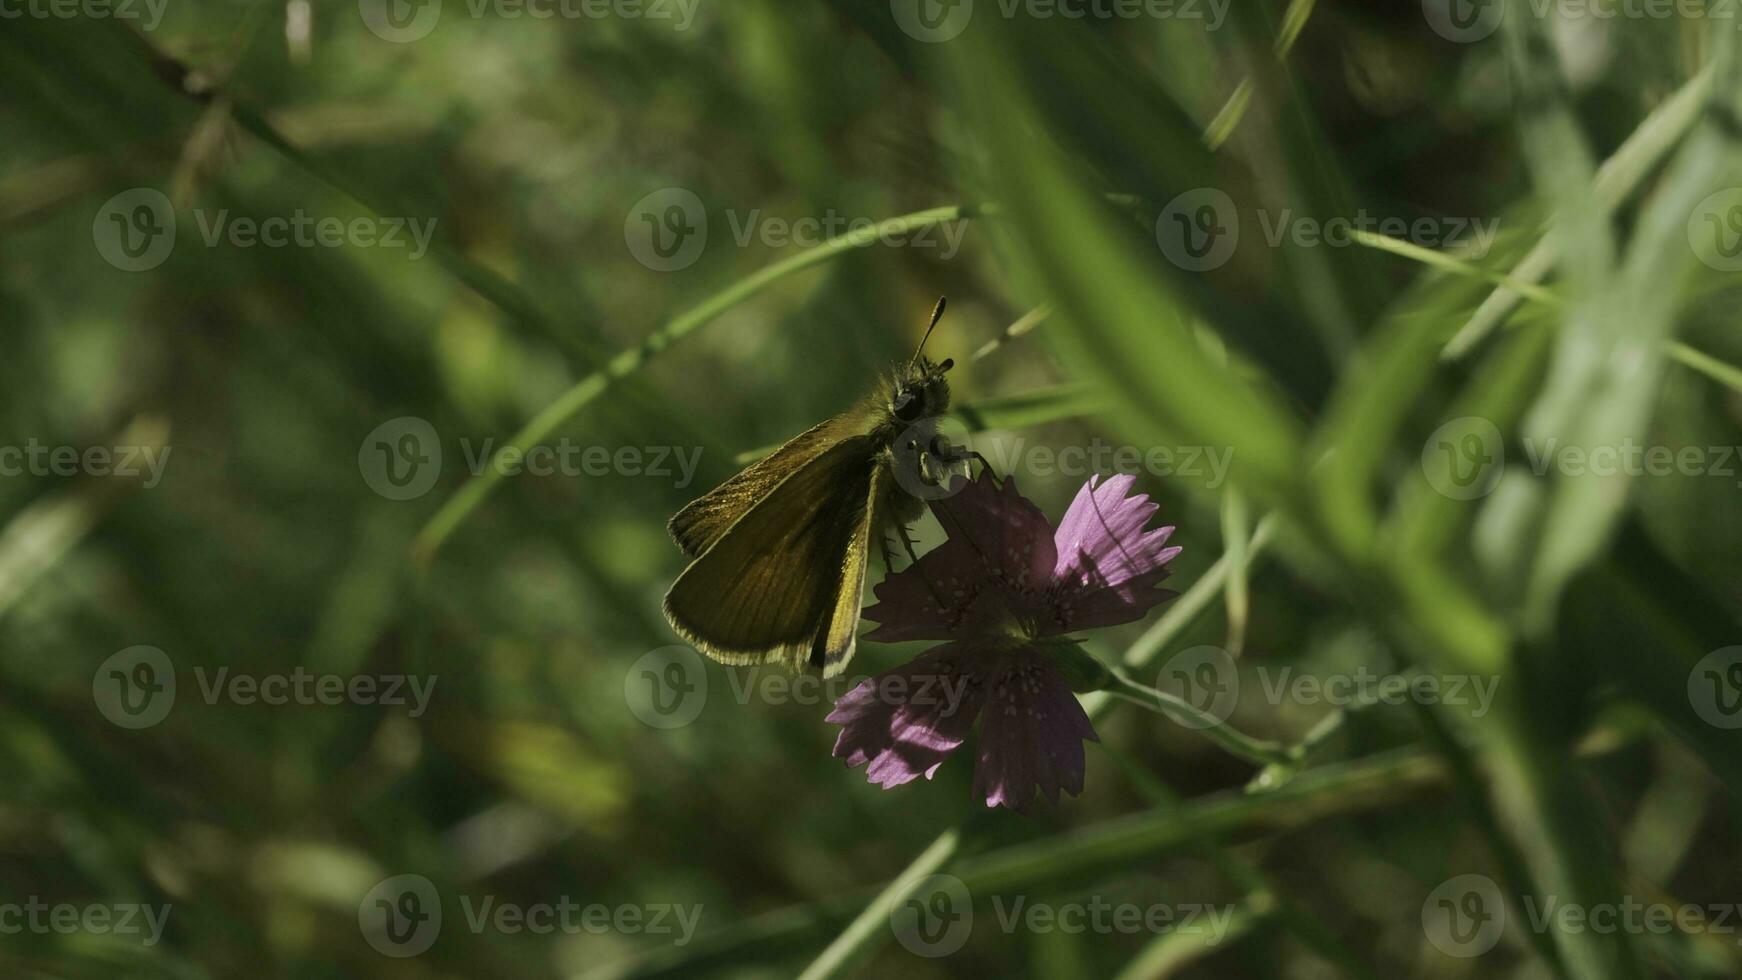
908, 405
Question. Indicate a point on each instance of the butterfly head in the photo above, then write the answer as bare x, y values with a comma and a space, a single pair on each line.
921, 391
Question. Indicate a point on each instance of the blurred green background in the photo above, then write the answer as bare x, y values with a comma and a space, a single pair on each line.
549, 153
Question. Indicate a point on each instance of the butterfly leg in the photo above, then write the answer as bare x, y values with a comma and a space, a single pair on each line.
887, 552
913, 559
913, 562
950, 455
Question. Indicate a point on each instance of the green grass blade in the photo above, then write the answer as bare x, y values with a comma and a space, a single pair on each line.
455, 510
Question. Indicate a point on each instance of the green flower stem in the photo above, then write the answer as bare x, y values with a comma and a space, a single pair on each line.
1725, 374
1275, 774
1260, 891
1518, 285
1336, 789
471, 494
1170, 952
1181, 613
1265, 753
1616, 180
859, 940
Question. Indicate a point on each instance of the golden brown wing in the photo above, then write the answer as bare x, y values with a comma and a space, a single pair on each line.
837, 647
783, 583
707, 517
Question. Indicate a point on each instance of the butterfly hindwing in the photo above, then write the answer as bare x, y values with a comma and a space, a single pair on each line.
832, 655
782, 584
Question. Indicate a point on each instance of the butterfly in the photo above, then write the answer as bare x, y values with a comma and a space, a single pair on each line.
779, 550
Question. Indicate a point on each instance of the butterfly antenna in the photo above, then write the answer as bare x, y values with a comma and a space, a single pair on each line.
937, 313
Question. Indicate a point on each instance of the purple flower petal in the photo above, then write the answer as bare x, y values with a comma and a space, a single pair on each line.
1108, 566
995, 565
1032, 735
904, 722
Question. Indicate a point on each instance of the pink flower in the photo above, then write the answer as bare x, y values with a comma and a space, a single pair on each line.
1004, 580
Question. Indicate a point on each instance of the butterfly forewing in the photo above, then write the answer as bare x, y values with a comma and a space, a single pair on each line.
707, 517
782, 583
